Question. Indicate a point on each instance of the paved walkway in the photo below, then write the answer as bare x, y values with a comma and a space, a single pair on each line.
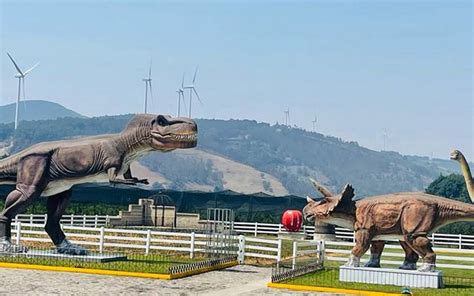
238, 280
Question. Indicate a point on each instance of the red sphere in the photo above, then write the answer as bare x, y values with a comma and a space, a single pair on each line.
292, 220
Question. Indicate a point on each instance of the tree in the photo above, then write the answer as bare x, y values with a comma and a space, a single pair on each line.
453, 187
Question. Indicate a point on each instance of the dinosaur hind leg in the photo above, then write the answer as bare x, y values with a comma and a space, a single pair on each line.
31, 181
56, 206
411, 257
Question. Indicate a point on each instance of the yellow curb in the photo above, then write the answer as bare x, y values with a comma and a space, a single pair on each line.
202, 270
327, 289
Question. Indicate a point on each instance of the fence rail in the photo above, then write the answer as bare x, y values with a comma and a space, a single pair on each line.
147, 240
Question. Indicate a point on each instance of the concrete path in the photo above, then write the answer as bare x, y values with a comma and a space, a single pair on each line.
238, 280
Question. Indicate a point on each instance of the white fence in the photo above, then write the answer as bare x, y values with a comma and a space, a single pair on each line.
79, 220
104, 239
446, 257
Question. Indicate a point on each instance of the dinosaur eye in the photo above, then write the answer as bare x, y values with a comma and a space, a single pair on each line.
161, 120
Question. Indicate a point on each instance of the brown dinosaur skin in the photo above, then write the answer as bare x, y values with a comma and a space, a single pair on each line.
408, 216
50, 169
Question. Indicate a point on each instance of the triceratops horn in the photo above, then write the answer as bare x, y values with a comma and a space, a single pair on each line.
324, 191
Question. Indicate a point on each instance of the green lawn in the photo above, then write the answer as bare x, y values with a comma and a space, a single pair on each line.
135, 263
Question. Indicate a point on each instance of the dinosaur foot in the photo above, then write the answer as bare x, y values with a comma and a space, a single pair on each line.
408, 266
6, 246
427, 267
373, 262
353, 261
68, 248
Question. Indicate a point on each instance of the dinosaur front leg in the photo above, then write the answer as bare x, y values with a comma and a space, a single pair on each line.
113, 178
376, 249
128, 176
362, 244
411, 257
56, 206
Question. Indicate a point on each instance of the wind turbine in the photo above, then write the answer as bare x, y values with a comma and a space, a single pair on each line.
287, 116
21, 82
180, 92
192, 89
314, 123
148, 85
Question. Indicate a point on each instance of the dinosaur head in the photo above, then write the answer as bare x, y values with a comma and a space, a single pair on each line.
456, 155
322, 209
163, 132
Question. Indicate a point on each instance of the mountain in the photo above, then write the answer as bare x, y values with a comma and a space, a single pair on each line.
247, 156
35, 110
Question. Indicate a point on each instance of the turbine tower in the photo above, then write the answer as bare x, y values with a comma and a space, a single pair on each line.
148, 85
180, 92
21, 82
192, 90
287, 116
314, 123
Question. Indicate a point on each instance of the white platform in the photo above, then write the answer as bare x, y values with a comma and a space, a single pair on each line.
396, 277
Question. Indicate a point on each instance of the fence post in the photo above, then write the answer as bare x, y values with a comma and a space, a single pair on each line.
18, 233
95, 221
148, 241
304, 230
279, 227
72, 219
31, 218
45, 219
295, 251
191, 251
107, 220
241, 253
101, 240
279, 251
460, 241
84, 220
256, 229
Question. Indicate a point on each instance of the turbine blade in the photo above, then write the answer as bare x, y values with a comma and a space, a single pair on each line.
197, 95
16, 66
184, 101
30, 69
149, 70
195, 73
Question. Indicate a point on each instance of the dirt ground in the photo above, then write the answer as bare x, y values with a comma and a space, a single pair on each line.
238, 280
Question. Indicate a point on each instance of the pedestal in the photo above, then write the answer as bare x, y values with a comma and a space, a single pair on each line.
395, 277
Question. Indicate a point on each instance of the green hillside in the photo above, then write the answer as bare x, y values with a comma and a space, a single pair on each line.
291, 155
35, 110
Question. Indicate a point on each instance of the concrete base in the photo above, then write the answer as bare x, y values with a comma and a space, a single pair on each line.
395, 277
52, 254
291, 236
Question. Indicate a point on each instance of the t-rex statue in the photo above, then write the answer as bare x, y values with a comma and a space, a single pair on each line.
50, 169
406, 216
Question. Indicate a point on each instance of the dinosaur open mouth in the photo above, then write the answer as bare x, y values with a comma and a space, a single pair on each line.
183, 140
309, 217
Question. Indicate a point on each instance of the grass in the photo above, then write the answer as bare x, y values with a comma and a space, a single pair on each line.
152, 263
457, 282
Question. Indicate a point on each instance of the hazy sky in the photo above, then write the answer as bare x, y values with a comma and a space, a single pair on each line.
362, 67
